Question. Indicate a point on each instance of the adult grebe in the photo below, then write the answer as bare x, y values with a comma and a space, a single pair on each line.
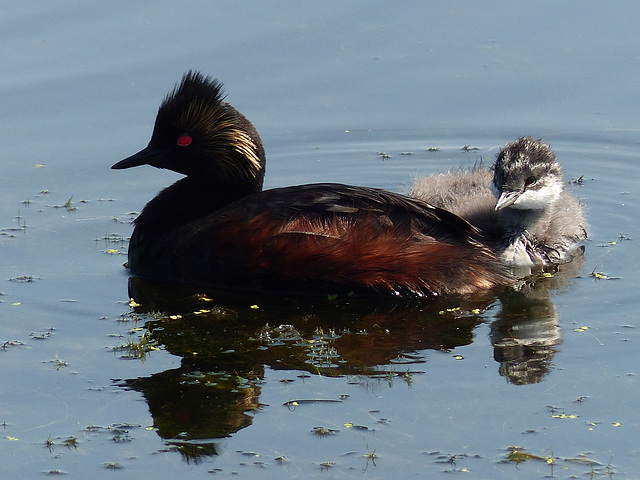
217, 228
526, 215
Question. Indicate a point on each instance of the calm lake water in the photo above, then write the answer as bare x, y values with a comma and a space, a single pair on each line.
530, 384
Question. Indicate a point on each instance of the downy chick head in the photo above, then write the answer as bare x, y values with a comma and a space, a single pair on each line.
527, 176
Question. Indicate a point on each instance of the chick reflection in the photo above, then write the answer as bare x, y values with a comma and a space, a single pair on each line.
525, 331
524, 336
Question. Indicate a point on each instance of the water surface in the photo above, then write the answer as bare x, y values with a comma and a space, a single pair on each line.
371, 94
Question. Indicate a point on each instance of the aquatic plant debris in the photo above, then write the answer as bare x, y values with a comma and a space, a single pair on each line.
518, 455
355, 427
295, 403
324, 431
602, 276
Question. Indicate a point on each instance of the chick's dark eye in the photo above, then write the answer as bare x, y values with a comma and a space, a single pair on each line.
530, 181
184, 141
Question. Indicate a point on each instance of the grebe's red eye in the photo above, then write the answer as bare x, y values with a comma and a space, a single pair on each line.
184, 140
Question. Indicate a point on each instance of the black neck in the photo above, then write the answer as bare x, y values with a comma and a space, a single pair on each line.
187, 200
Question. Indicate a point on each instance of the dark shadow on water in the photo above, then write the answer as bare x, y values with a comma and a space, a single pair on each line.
227, 340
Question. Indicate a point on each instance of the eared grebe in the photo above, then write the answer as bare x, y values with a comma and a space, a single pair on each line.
217, 228
522, 207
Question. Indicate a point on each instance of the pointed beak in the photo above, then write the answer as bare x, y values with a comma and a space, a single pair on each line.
146, 156
507, 199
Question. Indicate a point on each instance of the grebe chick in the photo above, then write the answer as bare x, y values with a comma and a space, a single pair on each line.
217, 228
522, 207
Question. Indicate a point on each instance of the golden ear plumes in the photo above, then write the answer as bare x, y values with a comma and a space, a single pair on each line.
196, 106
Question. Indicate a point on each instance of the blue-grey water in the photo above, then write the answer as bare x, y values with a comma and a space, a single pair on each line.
529, 385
